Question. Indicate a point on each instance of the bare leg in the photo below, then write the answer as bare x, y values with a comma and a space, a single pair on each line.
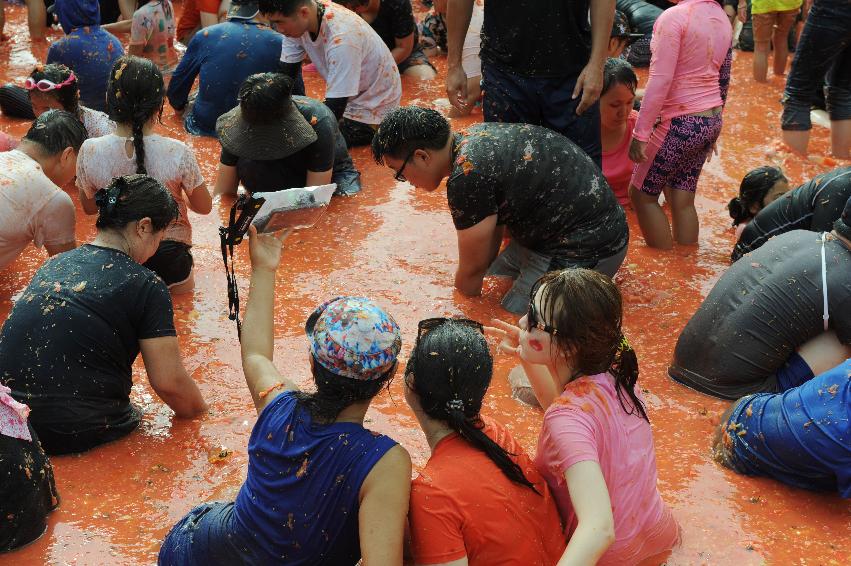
781, 50
36, 18
651, 219
840, 138
420, 72
824, 352
760, 60
798, 140
683, 216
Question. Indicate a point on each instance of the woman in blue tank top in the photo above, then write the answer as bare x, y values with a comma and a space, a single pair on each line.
320, 489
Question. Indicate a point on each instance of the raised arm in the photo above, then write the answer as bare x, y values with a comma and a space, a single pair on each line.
258, 329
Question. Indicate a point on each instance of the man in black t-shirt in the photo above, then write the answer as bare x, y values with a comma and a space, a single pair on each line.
393, 21
525, 180
813, 206
772, 322
272, 141
542, 64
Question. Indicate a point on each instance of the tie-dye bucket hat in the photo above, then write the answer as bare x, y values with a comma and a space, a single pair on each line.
353, 337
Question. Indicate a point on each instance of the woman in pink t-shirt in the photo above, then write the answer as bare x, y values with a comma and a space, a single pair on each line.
617, 119
680, 117
596, 448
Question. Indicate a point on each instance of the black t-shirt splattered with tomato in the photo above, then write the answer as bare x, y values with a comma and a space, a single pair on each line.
543, 187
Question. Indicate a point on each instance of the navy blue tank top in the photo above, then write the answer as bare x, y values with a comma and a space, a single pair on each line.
299, 503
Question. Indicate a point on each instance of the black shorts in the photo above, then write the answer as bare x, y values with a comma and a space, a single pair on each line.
172, 262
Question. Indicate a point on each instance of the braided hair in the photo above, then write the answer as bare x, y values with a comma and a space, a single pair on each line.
135, 94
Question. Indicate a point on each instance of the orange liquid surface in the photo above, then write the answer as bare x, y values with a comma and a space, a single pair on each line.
397, 245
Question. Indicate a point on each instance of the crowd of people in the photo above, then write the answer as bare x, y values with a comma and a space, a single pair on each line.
538, 192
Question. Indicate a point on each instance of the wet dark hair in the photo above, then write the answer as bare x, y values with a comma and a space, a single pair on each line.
135, 93
452, 367
587, 309
134, 197
408, 128
56, 130
334, 393
68, 96
618, 71
755, 185
285, 7
263, 97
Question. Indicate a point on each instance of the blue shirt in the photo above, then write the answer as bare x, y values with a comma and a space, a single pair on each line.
802, 436
90, 52
224, 55
299, 503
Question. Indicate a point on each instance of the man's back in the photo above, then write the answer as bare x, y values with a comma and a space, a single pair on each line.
224, 55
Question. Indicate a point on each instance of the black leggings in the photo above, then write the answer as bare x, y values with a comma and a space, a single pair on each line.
15, 102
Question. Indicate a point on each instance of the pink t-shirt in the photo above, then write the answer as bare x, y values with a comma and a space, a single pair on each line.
587, 423
7, 142
690, 43
617, 167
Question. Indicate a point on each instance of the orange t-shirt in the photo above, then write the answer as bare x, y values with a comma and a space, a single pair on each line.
190, 18
463, 505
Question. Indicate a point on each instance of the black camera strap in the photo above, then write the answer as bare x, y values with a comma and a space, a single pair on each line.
231, 236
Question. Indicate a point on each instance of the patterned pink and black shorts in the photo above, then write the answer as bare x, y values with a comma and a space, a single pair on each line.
676, 152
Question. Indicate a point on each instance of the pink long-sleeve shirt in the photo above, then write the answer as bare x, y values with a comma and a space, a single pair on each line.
690, 44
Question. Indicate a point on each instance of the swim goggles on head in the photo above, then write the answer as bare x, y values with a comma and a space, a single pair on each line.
45, 85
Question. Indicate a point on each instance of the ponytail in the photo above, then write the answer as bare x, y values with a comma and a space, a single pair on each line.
134, 95
450, 383
624, 369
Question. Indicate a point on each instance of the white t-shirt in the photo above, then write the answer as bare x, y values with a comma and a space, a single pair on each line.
32, 208
168, 161
97, 123
355, 63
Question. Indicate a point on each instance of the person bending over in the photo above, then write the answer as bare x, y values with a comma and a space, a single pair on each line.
595, 449
773, 320
680, 118
527, 180
27, 493
479, 500
274, 141
541, 65
393, 21
68, 346
135, 102
33, 207
52, 86
814, 206
798, 436
617, 120
87, 49
221, 58
320, 488
362, 83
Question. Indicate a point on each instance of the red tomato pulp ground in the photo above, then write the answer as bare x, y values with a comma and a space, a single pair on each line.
397, 245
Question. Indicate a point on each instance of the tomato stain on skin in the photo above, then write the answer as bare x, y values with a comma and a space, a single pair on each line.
535, 345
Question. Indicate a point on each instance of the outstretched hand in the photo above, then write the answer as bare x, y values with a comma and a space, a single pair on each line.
508, 335
265, 249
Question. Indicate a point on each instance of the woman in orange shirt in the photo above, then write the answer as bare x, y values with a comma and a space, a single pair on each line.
479, 500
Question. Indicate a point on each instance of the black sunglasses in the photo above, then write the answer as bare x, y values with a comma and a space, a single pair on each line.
399, 174
532, 318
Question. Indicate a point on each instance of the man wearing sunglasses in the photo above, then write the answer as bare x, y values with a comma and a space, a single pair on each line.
525, 180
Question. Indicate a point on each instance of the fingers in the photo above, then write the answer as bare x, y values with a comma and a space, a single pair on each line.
510, 350
495, 332
252, 230
282, 235
580, 82
585, 103
505, 326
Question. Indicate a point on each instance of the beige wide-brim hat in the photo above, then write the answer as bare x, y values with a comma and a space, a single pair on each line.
268, 140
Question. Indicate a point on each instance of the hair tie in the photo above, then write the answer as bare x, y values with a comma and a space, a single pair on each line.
107, 198
624, 345
455, 405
